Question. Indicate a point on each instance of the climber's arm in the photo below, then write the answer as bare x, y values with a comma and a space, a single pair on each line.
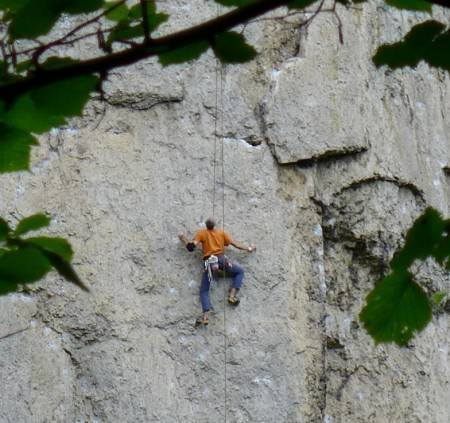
190, 245
250, 248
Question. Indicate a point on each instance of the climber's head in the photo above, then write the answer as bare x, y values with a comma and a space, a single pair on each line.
210, 223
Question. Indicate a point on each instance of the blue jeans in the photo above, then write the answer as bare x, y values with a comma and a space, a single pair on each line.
233, 270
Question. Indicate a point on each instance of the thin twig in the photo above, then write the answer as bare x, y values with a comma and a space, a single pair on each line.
14, 333
78, 28
203, 31
339, 21
85, 36
281, 17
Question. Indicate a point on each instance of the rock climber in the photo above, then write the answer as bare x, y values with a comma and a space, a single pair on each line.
213, 243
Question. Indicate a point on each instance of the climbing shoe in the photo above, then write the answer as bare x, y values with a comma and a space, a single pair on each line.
202, 321
234, 301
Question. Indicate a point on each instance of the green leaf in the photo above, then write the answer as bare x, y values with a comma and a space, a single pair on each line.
421, 240
136, 10
231, 47
154, 19
117, 14
7, 286
45, 108
58, 246
4, 229
438, 297
427, 41
420, 5
55, 62
442, 250
35, 18
77, 7
26, 115
123, 31
23, 265
395, 309
300, 4
184, 54
64, 268
32, 223
76, 94
438, 55
14, 149
12, 5
24, 66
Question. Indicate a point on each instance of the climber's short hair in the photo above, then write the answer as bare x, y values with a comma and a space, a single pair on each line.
210, 223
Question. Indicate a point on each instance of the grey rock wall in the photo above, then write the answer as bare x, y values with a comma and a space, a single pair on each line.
327, 162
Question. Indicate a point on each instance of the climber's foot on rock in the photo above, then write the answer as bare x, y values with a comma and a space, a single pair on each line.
234, 301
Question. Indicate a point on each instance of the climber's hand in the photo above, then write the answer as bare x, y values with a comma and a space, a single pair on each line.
251, 248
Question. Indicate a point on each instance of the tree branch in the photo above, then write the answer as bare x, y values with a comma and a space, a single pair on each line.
204, 31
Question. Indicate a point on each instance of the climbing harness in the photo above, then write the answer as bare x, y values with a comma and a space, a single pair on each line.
211, 265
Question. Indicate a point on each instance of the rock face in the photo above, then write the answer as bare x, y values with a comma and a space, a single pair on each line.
327, 162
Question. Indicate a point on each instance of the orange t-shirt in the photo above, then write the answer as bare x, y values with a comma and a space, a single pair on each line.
213, 241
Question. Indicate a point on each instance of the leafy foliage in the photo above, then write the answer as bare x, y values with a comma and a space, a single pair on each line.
420, 5
26, 260
4, 229
37, 112
129, 21
58, 246
32, 223
15, 147
29, 19
429, 41
421, 240
231, 47
397, 307
116, 11
184, 54
41, 108
300, 4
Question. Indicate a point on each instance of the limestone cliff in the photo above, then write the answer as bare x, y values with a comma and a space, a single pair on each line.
327, 162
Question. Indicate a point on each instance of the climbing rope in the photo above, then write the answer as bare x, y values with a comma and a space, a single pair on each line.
224, 259
219, 88
216, 108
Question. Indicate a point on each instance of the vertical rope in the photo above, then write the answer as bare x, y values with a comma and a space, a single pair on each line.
216, 117
224, 266
222, 146
219, 78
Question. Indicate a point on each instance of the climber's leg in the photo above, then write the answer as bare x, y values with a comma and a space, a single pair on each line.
237, 273
204, 293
